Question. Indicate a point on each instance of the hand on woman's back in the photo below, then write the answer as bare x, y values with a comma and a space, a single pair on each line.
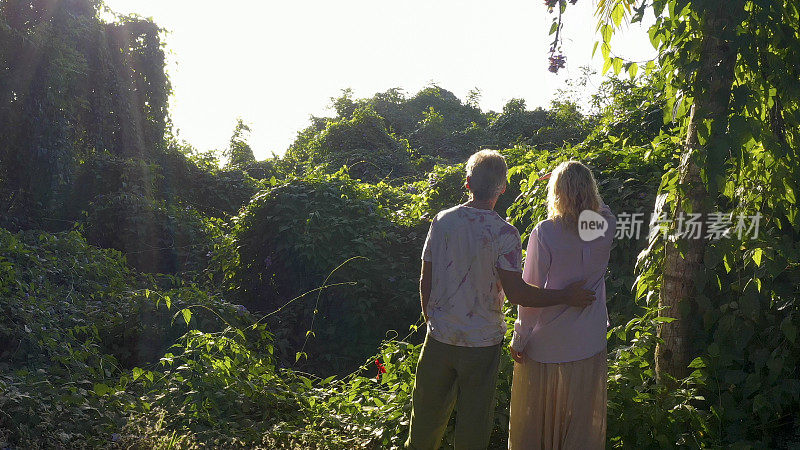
575, 294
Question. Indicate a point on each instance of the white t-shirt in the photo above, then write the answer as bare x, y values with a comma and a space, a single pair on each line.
466, 246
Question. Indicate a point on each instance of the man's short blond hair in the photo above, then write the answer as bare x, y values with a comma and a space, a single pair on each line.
487, 172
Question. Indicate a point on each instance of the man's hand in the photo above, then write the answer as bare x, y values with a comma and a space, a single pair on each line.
515, 355
575, 295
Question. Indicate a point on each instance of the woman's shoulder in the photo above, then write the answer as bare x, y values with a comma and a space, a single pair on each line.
545, 225
544, 228
611, 219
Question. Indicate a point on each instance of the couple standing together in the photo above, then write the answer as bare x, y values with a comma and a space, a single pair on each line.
472, 261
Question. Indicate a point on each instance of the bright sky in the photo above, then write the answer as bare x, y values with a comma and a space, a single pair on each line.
275, 63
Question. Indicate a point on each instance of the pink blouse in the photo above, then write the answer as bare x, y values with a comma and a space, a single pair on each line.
556, 257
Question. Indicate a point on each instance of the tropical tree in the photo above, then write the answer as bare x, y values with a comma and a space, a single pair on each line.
73, 86
730, 79
239, 152
728, 72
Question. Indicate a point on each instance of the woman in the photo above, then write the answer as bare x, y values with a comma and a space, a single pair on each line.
558, 396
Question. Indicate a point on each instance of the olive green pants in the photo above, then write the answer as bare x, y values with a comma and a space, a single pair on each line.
447, 376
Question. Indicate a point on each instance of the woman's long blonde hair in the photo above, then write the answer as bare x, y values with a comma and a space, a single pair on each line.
571, 189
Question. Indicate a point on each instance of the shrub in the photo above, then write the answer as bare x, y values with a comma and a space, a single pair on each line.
73, 320
155, 236
360, 142
290, 238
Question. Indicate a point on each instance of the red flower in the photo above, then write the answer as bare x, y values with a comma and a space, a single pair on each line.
381, 369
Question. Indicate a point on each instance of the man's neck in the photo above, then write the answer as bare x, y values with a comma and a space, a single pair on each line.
481, 204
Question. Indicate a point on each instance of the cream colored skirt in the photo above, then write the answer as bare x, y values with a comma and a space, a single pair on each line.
559, 405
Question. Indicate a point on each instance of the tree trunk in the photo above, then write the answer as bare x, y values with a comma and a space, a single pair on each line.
683, 259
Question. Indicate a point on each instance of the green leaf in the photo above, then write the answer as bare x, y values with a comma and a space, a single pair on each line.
697, 363
757, 253
790, 196
633, 69
137, 372
641, 289
654, 35
606, 66
664, 319
101, 389
617, 65
617, 14
606, 31
187, 315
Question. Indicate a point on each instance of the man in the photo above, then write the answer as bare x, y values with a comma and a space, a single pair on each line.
472, 260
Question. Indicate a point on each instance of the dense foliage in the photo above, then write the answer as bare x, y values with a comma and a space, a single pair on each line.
729, 81
296, 236
155, 296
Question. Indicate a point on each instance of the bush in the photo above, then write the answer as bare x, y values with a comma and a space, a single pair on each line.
442, 189
196, 179
360, 142
73, 320
155, 236
290, 238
